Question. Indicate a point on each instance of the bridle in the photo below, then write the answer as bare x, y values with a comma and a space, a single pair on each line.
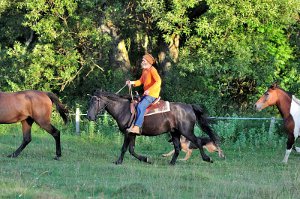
107, 103
98, 104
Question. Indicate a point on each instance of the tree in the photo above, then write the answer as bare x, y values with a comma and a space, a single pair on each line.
64, 37
224, 51
238, 45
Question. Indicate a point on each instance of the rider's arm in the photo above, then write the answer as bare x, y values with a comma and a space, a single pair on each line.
157, 81
139, 81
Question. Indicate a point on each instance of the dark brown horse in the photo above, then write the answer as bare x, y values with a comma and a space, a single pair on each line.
179, 121
289, 108
28, 107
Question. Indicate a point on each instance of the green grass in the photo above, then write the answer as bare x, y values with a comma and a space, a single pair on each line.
86, 170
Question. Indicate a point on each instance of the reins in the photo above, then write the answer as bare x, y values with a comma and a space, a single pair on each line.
121, 89
98, 98
130, 90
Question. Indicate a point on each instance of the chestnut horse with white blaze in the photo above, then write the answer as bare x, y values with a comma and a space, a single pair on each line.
289, 108
28, 107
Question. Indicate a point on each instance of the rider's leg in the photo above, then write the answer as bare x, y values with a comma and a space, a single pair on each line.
141, 109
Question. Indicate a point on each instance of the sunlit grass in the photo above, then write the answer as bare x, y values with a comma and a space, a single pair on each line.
86, 169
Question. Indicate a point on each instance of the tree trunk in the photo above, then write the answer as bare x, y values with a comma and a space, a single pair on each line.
174, 47
118, 58
168, 54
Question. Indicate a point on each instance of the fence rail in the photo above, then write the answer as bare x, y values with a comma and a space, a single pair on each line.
78, 115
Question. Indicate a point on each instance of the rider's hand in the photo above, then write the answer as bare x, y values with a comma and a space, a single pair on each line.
128, 82
146, 92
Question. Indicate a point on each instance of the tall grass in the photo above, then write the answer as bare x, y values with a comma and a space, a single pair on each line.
86, 169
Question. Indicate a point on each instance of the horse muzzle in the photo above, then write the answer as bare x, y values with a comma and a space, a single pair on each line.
258, 106
90, 117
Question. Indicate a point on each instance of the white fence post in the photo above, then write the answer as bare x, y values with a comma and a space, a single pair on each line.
272, 125
77, 120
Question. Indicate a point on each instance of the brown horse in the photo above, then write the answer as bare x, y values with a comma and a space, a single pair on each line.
28, 107
289, 108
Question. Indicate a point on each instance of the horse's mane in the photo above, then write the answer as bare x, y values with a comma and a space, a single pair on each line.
112, 96
276, 86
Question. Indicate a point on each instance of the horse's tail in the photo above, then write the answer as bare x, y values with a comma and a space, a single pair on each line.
63, 111
204, 123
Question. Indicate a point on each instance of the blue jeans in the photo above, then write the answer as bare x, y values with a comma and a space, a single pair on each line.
141, 109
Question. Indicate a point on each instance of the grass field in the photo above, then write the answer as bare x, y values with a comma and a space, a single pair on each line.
86, 170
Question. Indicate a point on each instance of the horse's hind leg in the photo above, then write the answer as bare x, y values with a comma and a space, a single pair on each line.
177, 147
26, 129
132, 152
56, 135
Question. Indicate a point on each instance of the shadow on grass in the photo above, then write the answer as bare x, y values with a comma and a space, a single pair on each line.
132, 190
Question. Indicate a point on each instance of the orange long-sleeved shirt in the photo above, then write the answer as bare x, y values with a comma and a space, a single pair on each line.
151, 81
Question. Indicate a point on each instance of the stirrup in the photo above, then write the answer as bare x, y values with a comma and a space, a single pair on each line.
134, 130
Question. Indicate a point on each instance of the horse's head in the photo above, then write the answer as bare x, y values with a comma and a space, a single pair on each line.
269, 98
95, 106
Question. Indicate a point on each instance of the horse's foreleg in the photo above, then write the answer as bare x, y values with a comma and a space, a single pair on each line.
123, 149
26, 129
289, 144
177, 148
132, 152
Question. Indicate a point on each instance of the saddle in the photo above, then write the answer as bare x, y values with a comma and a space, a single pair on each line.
158, 106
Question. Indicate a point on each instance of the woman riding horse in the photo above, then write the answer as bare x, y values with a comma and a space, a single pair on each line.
152, 83
180, 120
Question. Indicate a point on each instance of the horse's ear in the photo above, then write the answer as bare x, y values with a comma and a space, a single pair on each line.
98, 90
274, 85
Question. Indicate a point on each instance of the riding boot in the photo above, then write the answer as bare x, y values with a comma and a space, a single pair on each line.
134, 129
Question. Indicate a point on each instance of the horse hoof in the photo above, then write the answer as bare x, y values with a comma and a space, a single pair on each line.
12, 156
172, 163
148, 161
118, 162
208, 159
56, 158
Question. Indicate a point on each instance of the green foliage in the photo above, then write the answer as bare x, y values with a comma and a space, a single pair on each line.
240, 42
228, 50
191, 88
249, 133
229, 47
60, 48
